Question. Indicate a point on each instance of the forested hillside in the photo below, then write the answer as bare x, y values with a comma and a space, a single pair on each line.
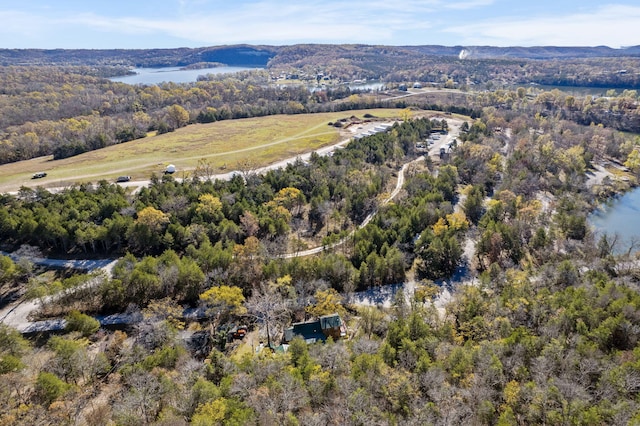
66, 111
546, 333
511, 309
68, 108
231, 55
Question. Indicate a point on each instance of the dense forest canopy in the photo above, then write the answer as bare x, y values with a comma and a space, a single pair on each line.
231, 55
69, 108
241, 54
541, 326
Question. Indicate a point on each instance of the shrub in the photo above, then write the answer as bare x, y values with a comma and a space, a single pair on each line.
49, 387
77, 321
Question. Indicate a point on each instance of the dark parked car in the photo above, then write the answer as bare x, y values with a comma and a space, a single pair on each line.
38, 175
123, 179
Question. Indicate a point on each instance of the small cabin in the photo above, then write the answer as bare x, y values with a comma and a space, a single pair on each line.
318, 330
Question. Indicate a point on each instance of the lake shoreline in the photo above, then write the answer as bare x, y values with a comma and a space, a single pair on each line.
176, 74
617, 214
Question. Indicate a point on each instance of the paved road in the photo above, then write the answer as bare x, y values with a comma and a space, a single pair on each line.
454, 132
137, 185
365, 222
78, 264
17, 313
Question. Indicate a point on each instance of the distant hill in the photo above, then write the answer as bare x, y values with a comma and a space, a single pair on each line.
240, 55
260, 56
535, 52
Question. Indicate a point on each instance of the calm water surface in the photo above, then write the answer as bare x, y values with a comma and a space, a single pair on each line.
173, 74
619, 216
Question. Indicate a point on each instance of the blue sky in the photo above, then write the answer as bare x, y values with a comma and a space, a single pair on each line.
193, 23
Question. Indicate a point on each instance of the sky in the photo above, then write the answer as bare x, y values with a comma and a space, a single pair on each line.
141, 24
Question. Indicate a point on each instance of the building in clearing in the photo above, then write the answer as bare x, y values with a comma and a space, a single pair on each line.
383, 127
318, 330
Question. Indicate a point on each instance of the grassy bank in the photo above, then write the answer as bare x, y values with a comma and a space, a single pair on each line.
223, 144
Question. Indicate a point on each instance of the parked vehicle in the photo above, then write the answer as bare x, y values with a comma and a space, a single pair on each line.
170, 169
239, 332
38, 175
123, 179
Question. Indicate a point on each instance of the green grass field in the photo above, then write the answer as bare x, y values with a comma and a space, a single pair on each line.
223, 144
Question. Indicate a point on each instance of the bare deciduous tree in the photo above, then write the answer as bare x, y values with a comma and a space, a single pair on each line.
269, 308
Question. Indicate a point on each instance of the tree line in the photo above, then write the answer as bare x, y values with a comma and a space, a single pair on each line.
238, 228
546, 334
512, 349
68, 110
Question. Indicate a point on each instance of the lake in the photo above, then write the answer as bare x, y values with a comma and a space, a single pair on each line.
364, 86
619, 216
371, 85
173, 74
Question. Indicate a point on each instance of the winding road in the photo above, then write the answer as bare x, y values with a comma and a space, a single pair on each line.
17, 314
454, 126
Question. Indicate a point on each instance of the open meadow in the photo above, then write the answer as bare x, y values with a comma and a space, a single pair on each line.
223, 144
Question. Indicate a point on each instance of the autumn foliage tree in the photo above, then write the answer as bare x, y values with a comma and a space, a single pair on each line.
223, 302
146, 234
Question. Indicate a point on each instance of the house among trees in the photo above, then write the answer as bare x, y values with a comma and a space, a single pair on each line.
318, 330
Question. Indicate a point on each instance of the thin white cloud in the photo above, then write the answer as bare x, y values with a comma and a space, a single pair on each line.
269, 22
611, 25
104, 24
206, 22
21, 24
213, 22
464, 5
191, 5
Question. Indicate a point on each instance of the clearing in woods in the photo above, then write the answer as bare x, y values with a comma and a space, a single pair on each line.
223, 144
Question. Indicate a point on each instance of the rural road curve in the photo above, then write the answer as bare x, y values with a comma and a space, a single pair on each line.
454, 132
17, 314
